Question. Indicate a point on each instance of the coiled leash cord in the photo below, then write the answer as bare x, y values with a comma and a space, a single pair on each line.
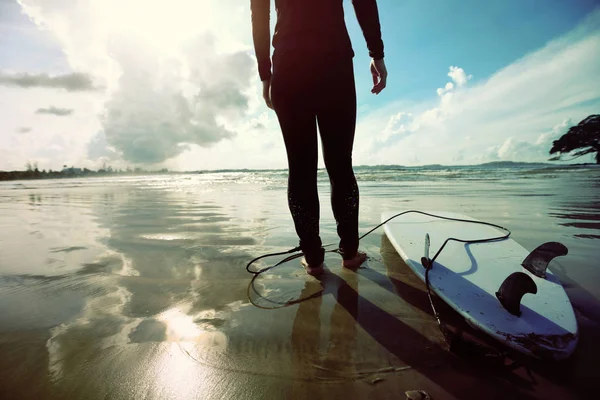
455, 342
430, 264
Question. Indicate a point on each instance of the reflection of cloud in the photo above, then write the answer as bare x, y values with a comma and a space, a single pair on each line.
176, 301
127, 267
149, 330
61, 112
180, 327
101, 323
183, 326
74, 82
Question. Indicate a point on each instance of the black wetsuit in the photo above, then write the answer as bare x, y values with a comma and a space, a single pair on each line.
313, 83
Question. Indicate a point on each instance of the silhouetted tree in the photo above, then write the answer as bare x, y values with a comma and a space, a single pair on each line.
584, 137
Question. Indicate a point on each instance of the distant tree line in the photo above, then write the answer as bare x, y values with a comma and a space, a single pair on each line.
33, 172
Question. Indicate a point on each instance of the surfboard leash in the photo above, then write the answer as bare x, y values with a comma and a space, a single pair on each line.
338, 250
296, 252
457, 344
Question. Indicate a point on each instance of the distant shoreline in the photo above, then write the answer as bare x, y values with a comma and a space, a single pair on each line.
35, 174
86, 173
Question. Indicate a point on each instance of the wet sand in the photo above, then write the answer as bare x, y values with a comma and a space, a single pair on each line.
136, 288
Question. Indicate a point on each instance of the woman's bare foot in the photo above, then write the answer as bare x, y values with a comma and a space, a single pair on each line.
314, 271
355, 262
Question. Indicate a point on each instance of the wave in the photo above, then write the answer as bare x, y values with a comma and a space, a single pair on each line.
492, 171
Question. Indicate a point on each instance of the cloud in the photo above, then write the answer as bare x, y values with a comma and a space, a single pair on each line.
459, 76
514, 149
61, 112
448, 88
184, 94
399, 125
155, 115
167, 89
23, 129
73, 82
459, 79
99, 149
513, 115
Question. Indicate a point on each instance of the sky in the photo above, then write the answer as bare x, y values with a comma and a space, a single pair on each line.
174, 83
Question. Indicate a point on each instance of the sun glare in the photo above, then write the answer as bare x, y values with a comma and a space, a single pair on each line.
162, 25
180, 326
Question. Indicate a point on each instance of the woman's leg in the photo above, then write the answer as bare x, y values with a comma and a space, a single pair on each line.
292, 102
336, 115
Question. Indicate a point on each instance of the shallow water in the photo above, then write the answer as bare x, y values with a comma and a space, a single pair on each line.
136, 287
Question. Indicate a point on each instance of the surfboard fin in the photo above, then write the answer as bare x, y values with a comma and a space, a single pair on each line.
537, 261
512, 290
425, 260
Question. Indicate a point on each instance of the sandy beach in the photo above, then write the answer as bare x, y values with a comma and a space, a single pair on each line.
135, 287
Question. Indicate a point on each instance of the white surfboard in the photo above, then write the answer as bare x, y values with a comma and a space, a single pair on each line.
467, 277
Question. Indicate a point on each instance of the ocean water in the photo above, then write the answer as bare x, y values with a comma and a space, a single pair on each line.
136, 285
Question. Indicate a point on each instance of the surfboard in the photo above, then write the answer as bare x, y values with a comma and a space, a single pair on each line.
468, 278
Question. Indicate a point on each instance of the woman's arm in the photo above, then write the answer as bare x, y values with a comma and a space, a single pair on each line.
261, 34
368, 19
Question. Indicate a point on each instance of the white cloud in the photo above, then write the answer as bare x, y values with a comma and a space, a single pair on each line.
151, 117
449, 86
73, 82
515, 114
261, 147
52, 110
18, 109
514, 149
179, 84
171, 81
459, 76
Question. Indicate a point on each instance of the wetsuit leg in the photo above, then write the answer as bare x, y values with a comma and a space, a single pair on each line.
336, 116
292, 97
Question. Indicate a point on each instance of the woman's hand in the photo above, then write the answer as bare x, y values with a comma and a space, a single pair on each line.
267, 93
379, 73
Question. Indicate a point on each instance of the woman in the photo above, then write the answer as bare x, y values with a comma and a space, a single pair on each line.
313, 83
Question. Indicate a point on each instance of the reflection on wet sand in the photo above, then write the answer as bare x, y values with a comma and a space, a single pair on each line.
158, 280
335, 362
138, 290
368, 349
